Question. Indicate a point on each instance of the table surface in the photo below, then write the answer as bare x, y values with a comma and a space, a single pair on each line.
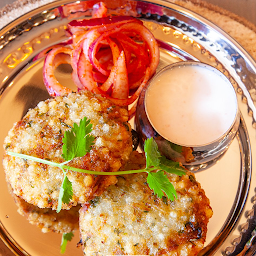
243, 8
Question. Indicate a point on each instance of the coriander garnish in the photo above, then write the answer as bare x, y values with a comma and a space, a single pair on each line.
65, 238
78, 141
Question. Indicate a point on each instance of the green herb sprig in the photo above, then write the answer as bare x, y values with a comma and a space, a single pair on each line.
78, 141
66, 237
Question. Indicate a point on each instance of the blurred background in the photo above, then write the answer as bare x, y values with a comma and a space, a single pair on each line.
243, 8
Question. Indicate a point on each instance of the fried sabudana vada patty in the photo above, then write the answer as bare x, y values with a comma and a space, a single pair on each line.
49, 220
128, 219
40, 134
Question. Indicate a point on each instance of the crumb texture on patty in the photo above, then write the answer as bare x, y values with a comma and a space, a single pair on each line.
49, 220
127, 219
40, 134
46, 219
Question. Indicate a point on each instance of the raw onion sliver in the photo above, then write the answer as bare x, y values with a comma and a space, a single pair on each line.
52, 85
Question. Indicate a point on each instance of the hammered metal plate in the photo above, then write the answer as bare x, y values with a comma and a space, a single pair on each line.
182, 35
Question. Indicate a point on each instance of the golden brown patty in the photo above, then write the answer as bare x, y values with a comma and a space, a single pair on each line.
40, 134
127, 219
47, 219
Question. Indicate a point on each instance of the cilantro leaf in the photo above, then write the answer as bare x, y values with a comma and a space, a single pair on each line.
77, 142
66, 192
171, 166
152, 153
65, 238
159, 183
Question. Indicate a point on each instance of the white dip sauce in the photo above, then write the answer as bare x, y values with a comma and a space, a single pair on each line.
191, 105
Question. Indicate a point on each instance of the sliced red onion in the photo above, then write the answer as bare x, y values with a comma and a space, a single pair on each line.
85, 75
97, 22
114, 56
120, 85
53, 59
99, 10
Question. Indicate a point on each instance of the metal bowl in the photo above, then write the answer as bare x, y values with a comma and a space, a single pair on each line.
193, 158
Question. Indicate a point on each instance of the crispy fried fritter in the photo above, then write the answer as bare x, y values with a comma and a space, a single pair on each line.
128, 219
40, 134
47, 219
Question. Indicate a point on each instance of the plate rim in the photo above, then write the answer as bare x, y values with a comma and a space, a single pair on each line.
171, 5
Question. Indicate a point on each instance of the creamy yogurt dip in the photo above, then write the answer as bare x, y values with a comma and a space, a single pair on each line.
191, 105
